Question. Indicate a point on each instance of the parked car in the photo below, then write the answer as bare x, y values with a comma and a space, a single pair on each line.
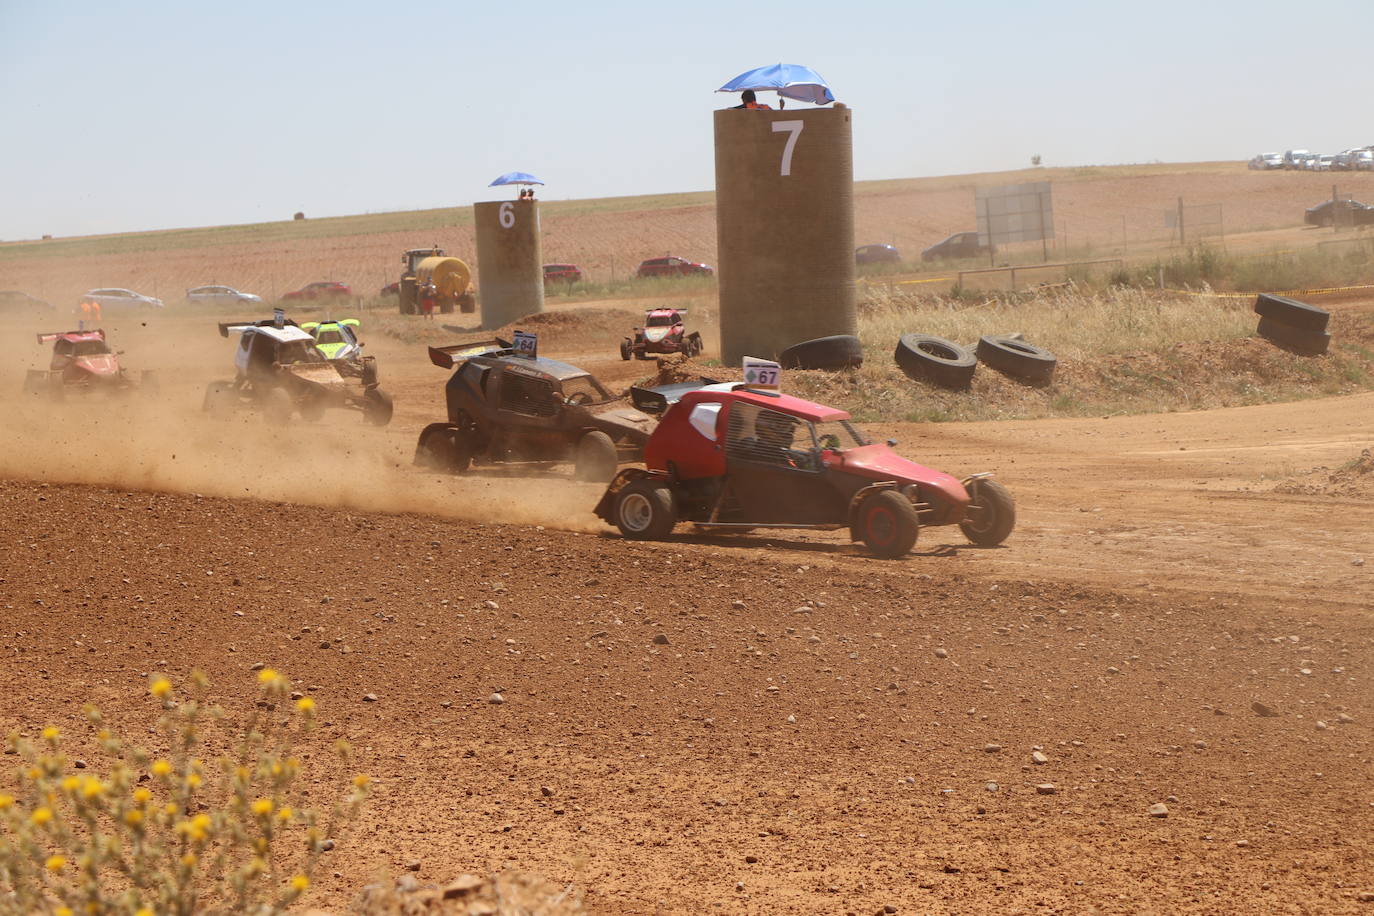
219, 295
1343, 162
1293, 158
1364, 160
562, 273
1267, 161
324, 289
672, 267
958, 245
1325, 213
1322, 163
877, 254
122, 298
391, 289
12, 301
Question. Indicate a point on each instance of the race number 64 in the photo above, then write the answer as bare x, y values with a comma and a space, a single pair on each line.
793, 130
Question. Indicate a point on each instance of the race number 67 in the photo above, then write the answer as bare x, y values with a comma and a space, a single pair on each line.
793, 129
506, 214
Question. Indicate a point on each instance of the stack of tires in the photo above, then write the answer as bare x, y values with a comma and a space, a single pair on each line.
1295, 326
950, 365
841, 351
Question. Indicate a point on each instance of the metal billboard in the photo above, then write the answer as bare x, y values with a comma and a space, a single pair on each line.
1015, 213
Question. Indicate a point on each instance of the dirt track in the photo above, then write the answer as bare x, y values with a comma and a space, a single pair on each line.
1155, 588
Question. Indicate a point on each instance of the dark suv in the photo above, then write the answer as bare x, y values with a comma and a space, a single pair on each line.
508, 408
1351, 211
877, 254
958, 245
671, 267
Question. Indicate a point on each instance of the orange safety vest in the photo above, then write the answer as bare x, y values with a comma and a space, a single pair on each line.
758, 106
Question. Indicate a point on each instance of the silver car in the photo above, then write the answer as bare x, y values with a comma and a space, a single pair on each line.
122, 298
219, 295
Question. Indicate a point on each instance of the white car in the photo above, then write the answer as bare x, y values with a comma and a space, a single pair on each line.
219, 295
122, 298
1364, 160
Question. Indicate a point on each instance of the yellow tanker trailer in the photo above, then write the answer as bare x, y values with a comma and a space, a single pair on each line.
452, 280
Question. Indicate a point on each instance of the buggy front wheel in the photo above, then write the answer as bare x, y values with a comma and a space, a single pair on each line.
990, 515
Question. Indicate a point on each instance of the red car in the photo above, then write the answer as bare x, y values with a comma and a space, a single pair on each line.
562, 273
671, 267
664, 331
81, 361
731, 457
324, 289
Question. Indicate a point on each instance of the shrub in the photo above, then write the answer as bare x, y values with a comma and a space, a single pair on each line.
173, 834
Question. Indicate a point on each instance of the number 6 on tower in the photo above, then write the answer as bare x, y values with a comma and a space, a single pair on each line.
794, 128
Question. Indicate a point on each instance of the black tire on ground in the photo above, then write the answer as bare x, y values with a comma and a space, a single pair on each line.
276, 406
888, 524
444, 448
991, 513
1296, 340
596, 458
841, 351
934, 359
625, 349
1291, 312
644, 510
220, 398
377, 407
1016, 358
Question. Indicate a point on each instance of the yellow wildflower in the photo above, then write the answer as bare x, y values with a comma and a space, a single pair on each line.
193, 780
92, 788
63, 911
143, 912
268, 676
69, 784
362, 780
5, 801
133, 817
299, 883
305, 704
285, 814
189, 860
160, 687
51, 733
142, 795
161, 768
41, 816
262, 806
56, 863
169, 809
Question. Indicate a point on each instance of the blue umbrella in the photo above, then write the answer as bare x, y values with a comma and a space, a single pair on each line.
515, 178
791, 81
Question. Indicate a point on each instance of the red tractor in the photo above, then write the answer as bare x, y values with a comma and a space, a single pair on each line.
728, 457
81, 361
664, 331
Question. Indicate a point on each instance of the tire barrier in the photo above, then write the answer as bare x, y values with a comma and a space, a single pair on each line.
936, 360
1016, 358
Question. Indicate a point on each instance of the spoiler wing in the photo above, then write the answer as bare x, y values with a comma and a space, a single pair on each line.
448, 357
238, 326
657, 400
53, 335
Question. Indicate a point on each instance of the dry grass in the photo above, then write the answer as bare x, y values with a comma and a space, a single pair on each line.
1074, 325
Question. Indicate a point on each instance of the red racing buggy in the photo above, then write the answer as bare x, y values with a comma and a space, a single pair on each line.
664, 331
730, 457
82, 361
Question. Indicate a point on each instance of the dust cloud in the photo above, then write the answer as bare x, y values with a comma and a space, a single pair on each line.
161, 440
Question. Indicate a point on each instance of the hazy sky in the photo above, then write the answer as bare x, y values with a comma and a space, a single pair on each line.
144, 115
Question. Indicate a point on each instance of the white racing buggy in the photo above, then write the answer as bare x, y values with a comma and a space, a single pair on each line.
281, 372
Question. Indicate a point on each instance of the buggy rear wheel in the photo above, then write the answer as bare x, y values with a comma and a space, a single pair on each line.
625, 349
644, 511
888, 524
990, 515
